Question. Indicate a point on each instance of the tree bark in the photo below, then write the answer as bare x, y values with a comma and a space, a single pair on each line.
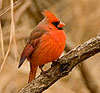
63, 66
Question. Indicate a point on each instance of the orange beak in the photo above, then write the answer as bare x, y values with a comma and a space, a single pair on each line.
60, 25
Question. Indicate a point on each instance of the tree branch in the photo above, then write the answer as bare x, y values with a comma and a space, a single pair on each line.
63, 66
88, 77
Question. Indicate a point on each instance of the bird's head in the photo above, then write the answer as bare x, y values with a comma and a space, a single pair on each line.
52, 19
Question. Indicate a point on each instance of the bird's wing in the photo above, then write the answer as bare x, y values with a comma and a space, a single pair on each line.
31, 44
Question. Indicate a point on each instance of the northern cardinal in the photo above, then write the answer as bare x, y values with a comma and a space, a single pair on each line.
45, 44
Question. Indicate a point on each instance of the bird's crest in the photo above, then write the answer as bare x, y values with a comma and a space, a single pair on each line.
49, 15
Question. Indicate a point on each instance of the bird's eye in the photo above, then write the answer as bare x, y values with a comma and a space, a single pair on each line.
56, 24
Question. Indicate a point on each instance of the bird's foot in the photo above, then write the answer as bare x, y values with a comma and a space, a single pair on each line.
55, 62
41, 68
44, 73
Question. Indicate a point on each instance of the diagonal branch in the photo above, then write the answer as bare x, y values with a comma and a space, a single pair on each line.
5, 10
63, 66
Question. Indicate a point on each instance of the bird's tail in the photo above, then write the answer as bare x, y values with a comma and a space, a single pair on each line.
26, 52
32, 75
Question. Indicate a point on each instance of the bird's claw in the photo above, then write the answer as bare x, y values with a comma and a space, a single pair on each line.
42, 71
55, 62
41, 68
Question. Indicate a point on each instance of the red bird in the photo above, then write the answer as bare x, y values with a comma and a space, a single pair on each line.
45, 44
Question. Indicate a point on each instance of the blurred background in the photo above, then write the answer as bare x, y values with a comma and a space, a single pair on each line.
82, 19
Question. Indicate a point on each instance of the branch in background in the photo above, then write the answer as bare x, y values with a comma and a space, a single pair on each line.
13, 29
21, 10
63, 66
35, 11
5, 10
1, 34
10, 40
2, 40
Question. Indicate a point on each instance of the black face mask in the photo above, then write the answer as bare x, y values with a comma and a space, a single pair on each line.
56, 24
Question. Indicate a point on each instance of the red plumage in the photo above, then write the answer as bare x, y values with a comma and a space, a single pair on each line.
45, 44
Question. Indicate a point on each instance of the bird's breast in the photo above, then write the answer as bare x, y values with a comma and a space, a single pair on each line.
50, 48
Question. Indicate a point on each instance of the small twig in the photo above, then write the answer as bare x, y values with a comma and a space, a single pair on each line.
6, 55
9, 46
5, 10
63, 66
2, 42
13, 29
1, 34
